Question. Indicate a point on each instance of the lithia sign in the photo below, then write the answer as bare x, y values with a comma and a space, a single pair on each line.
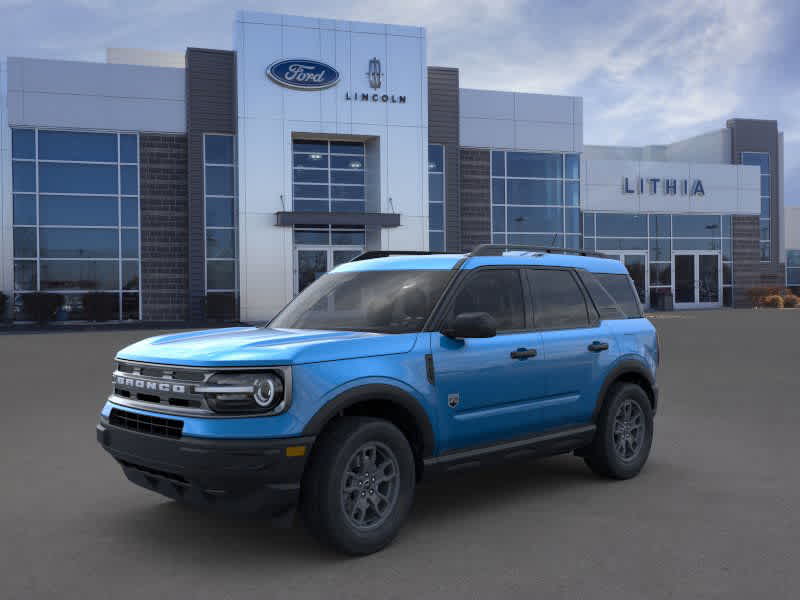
306, 74
667, 186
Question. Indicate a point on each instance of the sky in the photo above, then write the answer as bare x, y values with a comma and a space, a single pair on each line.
650, 72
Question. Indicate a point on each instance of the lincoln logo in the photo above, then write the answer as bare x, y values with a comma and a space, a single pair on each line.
374, 74
301, 74
153, 386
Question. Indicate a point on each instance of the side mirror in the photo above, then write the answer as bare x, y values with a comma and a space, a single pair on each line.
471, 325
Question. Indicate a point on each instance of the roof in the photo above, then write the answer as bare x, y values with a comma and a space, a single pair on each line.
448, 261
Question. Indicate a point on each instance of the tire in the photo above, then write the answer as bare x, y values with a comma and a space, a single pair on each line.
624, 433
338, 509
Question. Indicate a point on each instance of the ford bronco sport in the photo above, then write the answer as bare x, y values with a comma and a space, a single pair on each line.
389, 368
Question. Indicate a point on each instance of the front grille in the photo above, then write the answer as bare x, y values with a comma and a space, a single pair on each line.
171, 428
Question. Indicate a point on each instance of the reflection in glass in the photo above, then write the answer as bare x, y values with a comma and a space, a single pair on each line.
57, 242
77, 210
80, 275
66, 178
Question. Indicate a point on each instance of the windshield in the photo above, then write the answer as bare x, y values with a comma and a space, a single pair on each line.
378, 301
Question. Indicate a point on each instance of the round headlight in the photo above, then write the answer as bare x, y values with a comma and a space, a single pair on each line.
268, 391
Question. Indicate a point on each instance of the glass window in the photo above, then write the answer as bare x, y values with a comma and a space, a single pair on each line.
793, 258
498, 218
535, 219
77, 210
129, 176
312, 205
696, 225
347, 206
607, 307
660, 249
621, 289
573, 242
765, 250
621, 244
530, 191
23, 176
759, 159
765, 191
572, 220
348, 238
436, 241
497, 292
436, 216
310, 191
321, 237
128, 148
530, 164
220, 243
342, 162
435, 158
765, 207
554, 240
67, 178
79, 275
25, 242
660, 226
221, 274
436, 193
77, 146
588, 224
316, 161
130, 243
25, 275
660, 274
695, 243
558, 302
130, 212
352, 177
130, 307
24, 209
312, 175
23, 143
57, 242
498, 163
312, 146
727, 249
573, 166
219, 181
347, 192
130, 275
219, 212
498, 191
572, 193
727, 225
621, 225
219, 149
347, 148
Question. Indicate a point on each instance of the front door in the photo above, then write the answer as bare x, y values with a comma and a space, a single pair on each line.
492, 389
313, 262
697, 279
636, 263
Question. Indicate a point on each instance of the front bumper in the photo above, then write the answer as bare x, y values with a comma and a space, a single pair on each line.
244, 476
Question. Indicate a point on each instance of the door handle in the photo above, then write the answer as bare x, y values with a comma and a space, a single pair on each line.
598, 346
522, 353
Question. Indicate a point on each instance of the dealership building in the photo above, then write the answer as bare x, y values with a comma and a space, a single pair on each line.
218, 184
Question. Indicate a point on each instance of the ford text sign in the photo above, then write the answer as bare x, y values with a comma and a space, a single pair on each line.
303, 74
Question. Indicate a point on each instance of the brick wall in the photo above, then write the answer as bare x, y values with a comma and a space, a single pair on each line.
165, 231
476, 217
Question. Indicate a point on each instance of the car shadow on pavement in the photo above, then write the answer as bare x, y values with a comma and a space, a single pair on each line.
170, 528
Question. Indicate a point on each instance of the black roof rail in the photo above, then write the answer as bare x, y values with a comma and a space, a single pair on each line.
498, 249
384, 253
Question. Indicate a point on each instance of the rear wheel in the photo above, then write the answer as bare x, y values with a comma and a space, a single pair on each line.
359, 485
624, 433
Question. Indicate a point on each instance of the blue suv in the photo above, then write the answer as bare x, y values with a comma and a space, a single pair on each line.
389, 368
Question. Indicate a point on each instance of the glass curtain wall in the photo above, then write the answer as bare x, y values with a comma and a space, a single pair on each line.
659, 235
536, 199
76, 220
222, 274
761, 160
793, 269
328, 176
436, 197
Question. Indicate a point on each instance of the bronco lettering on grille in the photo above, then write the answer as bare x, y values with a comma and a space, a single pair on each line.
143, 384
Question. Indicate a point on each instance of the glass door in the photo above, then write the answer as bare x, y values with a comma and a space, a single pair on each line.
696, 279
636, 263
311, 263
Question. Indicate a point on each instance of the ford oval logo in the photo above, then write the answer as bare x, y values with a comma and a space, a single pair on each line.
303, 74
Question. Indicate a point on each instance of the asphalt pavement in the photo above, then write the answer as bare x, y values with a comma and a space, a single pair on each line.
713, 515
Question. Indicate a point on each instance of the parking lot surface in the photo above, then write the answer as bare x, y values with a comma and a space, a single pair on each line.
713, 515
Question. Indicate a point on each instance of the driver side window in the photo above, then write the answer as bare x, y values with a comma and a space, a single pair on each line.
494, 291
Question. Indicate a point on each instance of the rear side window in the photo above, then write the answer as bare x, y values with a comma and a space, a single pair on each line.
621, 289
607, 307
494, 291
558, 301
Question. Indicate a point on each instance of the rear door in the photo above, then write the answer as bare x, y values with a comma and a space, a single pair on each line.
577, 347
488, 390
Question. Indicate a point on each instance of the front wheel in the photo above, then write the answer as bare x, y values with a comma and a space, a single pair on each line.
624, 433
359, 485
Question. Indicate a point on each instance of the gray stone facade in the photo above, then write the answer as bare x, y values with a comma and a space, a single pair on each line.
476, 204
164, 226
746, 254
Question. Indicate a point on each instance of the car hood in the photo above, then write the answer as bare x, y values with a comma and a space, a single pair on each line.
257, 346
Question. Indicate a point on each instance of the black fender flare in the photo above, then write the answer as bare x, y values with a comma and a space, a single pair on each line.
376, 391
622, 368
